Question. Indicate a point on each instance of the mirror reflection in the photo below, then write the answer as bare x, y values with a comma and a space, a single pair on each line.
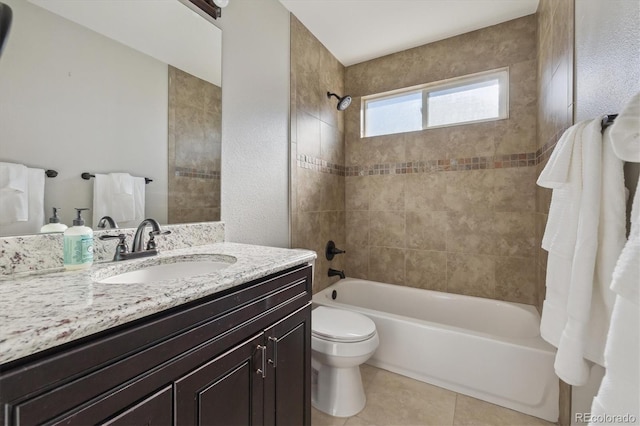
122, 90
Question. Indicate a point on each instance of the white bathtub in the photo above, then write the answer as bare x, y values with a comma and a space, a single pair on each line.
487, 349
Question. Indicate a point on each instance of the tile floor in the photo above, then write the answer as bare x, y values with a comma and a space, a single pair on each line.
394, 400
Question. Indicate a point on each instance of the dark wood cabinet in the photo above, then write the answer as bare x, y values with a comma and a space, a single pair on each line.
241, 357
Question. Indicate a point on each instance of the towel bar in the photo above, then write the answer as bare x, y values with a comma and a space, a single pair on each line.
87, 176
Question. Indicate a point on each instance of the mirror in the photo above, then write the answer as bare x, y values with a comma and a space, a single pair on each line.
103, 86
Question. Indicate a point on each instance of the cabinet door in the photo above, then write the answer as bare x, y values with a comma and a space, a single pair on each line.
227, 390
288, 381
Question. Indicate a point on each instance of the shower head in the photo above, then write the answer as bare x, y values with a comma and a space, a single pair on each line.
343, 102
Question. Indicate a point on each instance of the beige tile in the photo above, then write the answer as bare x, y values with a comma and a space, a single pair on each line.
471, 140
357, 261
471, 232
425, 191
470, 190
516, 279
515, 189
355, 149
471, 411
386, 192
368, 373
357, 421
331, 144
357, 228
308, 135
318, 418
385, 149
396, 400
308, 92
429, 144
426, 269
426, 230
473, 275
386, 265
357, 192
517, 134
515, 233
310, 190
332, 191
387, 229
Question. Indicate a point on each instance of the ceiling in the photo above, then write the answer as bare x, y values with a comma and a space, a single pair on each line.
359, 30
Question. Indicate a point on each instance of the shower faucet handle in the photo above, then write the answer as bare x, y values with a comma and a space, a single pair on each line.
331, 250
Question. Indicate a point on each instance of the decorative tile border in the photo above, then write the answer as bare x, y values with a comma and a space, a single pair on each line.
195, 173
319, 165
527, 159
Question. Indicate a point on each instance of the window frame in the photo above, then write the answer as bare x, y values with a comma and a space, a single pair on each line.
501, 74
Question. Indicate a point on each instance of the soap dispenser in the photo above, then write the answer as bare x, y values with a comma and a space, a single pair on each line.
78, 244
54, 224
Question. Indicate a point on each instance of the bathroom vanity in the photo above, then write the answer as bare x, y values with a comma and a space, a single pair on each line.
239, 355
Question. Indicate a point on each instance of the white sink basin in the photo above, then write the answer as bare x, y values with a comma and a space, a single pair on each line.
169, 269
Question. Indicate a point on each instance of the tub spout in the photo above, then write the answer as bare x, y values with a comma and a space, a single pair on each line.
334, 272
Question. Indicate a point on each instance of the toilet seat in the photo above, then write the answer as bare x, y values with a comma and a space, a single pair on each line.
337, 325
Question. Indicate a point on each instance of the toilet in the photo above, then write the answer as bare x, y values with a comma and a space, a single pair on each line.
340, 341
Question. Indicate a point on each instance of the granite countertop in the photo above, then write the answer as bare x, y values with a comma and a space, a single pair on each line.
40, 311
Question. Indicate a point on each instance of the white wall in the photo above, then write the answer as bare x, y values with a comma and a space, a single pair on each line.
75, 101
607, 74
255, 122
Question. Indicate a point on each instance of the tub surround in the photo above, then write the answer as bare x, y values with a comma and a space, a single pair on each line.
40, 311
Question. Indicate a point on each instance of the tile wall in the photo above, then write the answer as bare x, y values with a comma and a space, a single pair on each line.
317, 151
195, 129
555, 115
450, 209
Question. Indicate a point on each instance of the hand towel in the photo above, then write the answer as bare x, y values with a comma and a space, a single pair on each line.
35, 190
560, 233
14, 194
563, 174
103, 201
101, 197
122, 200
625, 131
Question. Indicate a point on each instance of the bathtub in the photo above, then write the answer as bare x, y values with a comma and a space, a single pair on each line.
487, 349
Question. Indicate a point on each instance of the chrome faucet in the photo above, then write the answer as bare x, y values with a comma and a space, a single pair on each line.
138, 239
104, 220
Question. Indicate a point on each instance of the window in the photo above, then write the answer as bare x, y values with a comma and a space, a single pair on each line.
473, 98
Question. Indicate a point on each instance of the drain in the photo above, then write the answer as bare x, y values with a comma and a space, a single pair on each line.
334, 294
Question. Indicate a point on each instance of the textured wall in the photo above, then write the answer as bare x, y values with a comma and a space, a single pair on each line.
555, 115
449, 209
195, 120
317, 151
255, 122
607, 74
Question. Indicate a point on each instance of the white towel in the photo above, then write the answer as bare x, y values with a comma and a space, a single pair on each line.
578, 302
625, 131
14, 193
103, 200
101, 197
36, 214
122, 205
619, 391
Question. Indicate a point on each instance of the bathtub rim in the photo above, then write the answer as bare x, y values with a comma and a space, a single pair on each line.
534, 342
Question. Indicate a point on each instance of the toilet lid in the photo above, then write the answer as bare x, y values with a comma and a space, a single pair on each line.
341, 326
